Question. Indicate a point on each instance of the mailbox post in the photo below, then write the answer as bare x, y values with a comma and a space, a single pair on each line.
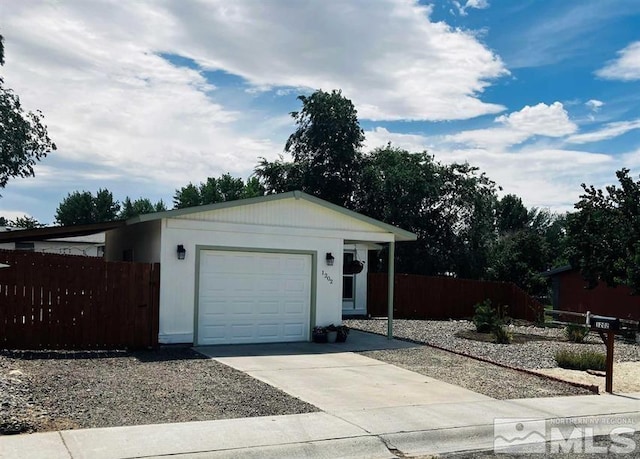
607, 328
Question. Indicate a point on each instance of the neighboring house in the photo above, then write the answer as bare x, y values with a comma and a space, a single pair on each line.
570, 294
89, 245
265, 269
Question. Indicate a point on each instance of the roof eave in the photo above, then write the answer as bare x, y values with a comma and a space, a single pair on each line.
400, 235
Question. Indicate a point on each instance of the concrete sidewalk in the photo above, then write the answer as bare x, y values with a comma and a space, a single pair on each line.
377, 433
371, 410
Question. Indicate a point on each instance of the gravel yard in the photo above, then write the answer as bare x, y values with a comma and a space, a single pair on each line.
481, 377
69, 390
534, 354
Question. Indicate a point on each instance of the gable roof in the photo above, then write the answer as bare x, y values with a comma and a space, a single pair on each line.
399, 234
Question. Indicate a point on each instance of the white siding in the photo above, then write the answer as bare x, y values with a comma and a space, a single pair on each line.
177, 293
293, 213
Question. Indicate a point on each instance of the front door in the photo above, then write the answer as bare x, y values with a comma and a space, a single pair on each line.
348, 285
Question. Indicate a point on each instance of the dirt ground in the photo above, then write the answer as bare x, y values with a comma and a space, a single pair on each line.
626, 377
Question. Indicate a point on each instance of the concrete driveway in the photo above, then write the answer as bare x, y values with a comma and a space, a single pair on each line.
373, 410
337, 380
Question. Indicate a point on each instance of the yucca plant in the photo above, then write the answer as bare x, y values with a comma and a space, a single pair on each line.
502, 335
576, 333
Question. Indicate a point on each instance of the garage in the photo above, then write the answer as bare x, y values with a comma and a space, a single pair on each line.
253, 297
258, 270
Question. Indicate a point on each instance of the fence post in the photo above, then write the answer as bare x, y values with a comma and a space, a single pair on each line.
391, 280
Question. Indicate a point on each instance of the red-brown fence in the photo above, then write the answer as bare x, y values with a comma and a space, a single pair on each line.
425, 297
572, 295
50, 301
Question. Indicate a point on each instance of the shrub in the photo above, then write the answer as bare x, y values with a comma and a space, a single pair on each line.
576, 333
502, 335
581, 360
486, 317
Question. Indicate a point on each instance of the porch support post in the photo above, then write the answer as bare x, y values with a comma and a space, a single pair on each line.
391, 279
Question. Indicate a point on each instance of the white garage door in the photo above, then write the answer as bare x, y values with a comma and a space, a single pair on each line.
250, 297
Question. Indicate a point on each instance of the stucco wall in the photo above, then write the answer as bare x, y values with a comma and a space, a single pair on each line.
177, 294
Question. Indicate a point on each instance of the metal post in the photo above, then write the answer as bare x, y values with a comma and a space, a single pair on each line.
391, 281
609, 377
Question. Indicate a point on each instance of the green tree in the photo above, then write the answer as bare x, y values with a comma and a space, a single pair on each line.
556, 237
529, 242
448, 207
23, 135
187, 196
229, 188
279, 176
105, 207
213, 190
511, 214
604, 233
138, 207
82, 208
25, 222
468, 204
253, 188
325, 148
520, 257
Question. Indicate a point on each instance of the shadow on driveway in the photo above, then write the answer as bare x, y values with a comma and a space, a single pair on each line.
358, 341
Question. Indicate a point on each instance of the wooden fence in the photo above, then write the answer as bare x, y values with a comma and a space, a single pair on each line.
424, 297
50, 301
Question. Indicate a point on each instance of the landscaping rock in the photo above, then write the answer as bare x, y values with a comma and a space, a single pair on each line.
70, 390
531, 354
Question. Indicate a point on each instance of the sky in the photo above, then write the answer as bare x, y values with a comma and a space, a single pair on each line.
143, 97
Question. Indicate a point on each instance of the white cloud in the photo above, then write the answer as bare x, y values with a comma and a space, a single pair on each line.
516, 127
13, 214
631, 159
380, 137
476, 4
594, 104
610, 131
412, 68
626, 67
541, 176
113, 103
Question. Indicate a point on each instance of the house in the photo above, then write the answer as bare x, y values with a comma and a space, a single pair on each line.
265, 269
569, 293
91, 245
260, 270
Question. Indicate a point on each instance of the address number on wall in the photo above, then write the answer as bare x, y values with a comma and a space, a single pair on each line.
326, 276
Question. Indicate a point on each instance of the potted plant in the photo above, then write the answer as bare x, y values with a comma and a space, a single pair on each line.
319, 335
332, 333
343, 332
353, 267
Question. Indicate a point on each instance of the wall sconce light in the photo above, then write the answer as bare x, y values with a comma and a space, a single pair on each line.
330, 258
182, 252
